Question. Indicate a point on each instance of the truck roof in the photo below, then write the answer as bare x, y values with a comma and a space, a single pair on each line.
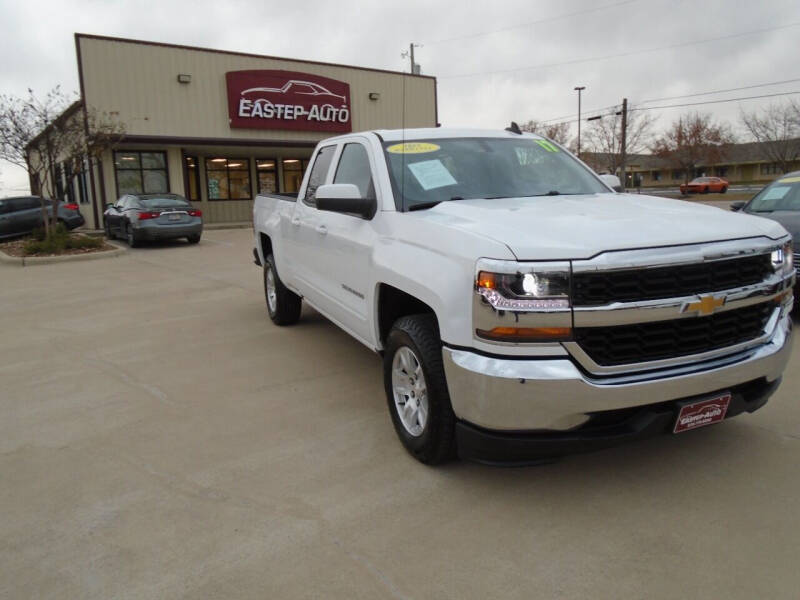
399, 135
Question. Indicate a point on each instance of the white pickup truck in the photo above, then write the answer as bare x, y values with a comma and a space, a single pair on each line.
522, 307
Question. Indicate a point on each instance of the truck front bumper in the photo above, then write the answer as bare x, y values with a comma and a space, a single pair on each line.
518, 410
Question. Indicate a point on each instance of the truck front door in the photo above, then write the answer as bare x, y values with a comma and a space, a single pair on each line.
346, 243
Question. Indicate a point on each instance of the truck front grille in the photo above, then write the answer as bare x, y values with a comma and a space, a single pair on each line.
597, 288
626, 344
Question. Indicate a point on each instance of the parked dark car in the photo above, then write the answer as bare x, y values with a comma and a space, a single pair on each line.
139, 217
779, 201
23, 214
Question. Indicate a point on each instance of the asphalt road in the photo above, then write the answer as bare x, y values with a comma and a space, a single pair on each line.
159, 438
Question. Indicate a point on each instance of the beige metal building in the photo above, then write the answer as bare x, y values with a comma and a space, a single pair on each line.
219, 127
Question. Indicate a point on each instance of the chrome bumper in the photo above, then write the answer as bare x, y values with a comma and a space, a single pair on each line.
554, 394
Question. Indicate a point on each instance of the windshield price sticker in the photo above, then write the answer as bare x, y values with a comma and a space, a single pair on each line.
789, 180
412, 148
432, 174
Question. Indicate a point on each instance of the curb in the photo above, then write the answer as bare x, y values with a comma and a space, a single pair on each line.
29, 261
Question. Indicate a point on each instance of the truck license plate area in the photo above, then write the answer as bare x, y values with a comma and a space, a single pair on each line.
700, 414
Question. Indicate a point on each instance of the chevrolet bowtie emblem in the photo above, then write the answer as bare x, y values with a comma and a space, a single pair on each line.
705, 306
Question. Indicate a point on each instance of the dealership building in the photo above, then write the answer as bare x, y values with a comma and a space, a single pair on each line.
219, 127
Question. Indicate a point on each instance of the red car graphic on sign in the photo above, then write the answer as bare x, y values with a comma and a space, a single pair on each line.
297, 86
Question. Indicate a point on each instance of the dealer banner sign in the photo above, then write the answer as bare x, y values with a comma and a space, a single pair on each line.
261, 99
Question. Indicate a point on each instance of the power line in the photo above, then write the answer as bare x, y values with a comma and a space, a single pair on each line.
736, 89
622, 54
573, 114
714, 101
744, 87
641, 108
529, 23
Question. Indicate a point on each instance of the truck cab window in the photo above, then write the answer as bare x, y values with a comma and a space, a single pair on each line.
354, 168
318, 173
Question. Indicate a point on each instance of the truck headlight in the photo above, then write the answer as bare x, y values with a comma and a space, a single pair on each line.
783, 258
524, 291
523, 302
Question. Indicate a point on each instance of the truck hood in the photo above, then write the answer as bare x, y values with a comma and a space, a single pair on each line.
790, 219
575, 227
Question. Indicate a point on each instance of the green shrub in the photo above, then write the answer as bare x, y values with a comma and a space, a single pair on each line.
81, 241
59, 241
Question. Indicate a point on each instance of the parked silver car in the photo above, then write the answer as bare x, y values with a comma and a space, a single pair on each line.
139, 217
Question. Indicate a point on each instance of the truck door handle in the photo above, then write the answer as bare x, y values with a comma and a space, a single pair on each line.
322, 230
296, 221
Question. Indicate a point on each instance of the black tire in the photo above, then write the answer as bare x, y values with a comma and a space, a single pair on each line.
705, 190
436, 442
194, 239
107, 227
723, 190
130, 236
285, 310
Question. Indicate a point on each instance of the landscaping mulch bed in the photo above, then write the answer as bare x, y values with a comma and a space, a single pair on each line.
16, 247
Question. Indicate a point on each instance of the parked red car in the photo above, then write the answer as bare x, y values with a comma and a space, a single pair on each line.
704, 185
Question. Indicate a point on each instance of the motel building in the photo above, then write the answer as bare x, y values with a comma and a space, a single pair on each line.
220, 127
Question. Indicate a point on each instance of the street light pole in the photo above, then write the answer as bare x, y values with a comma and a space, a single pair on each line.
579, 89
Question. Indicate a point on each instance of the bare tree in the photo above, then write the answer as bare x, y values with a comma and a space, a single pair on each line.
558, 132
604, 137
43, 134
776, 128
693, 140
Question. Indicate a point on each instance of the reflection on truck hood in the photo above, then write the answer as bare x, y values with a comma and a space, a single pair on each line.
556, 227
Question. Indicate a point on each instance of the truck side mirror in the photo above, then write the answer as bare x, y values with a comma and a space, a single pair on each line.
345, 198
611, 181
737, 206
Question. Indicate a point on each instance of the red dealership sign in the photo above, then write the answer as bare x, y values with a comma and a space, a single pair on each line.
261, 99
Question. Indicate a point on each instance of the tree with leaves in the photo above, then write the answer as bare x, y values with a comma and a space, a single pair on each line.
776, 128
558, 132
694, 140
45, 134
603, 137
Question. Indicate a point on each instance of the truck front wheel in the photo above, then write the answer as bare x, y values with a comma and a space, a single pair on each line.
416, 389
283, 305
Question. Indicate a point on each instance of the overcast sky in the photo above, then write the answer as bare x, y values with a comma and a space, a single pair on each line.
488, 56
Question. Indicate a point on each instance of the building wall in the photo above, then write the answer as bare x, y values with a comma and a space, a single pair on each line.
138, 83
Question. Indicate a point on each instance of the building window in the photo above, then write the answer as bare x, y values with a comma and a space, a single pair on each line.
141, 172
83, 192
293, 170
770, 169
228, 178
677, 174
191, 177
267, 176
656, 175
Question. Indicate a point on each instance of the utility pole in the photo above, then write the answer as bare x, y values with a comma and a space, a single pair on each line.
415, 68
579, 89
623, 141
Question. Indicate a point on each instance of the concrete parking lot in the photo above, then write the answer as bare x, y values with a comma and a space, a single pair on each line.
160, 438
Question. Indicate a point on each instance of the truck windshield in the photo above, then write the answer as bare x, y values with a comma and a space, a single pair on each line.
426, 172
783, 194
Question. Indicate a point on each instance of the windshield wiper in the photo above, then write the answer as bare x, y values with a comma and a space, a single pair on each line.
431, 204
424, 205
